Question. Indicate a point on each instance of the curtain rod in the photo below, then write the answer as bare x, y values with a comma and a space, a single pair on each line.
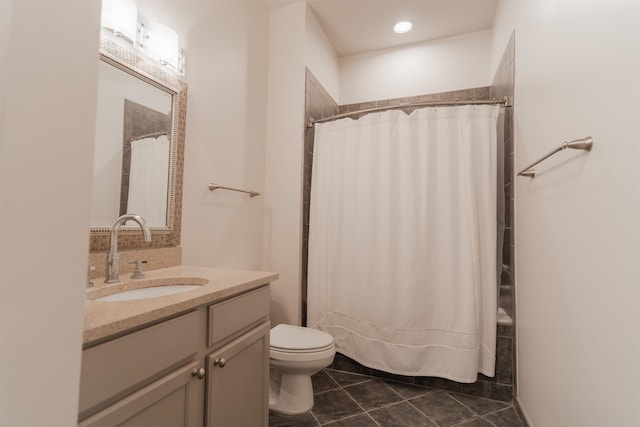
507, 102
149, 135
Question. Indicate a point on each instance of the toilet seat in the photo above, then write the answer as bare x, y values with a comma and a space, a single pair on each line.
302, 356
294, 339
299, 344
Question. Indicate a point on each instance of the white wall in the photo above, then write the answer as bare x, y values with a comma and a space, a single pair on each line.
230, 54
5, 32
229, 142
226, 70
577, 222
442, 65
49, 86
283, 178
320, 56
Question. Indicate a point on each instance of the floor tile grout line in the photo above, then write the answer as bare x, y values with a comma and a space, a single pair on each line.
377, 407
453, 394
418, 409
489, 421
484, 416
403, 399
397, 381
338, 386
354, 400
341, 387
426, 390
504, 408
315, 418
498, 410
347, 418
477, 417
373, 419
391, 388
326, 391
382, 406
364, 380
466, 406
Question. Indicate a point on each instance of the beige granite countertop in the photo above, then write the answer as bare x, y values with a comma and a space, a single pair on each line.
106, 318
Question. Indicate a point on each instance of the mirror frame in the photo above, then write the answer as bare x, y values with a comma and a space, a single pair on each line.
148, 71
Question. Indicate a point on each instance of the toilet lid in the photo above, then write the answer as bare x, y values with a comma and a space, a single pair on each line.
292, 338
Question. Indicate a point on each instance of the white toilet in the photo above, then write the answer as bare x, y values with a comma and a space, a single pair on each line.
295, 354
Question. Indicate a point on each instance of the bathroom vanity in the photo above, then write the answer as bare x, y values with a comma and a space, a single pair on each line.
198, 357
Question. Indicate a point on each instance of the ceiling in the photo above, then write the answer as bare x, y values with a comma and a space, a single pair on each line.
356, 26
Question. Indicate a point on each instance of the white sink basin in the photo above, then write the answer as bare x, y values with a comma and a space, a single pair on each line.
148, 292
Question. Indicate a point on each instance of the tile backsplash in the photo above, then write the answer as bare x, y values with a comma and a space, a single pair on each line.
156, 258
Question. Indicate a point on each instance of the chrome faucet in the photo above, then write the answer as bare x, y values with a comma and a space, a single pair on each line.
112, 262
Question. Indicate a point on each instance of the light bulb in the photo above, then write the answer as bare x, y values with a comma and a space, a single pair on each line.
162, 44
120, 16
403, 27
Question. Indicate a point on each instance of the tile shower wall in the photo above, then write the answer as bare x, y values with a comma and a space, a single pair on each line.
503, 85
318, 105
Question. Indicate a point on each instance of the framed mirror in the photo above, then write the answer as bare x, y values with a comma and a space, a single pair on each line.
139, 149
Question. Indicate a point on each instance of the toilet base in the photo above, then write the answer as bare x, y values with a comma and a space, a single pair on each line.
291, 393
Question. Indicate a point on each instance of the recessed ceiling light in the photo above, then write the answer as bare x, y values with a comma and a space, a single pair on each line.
403, 27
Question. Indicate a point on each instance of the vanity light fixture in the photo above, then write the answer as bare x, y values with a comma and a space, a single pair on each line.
121, 18
403, 27
162, 44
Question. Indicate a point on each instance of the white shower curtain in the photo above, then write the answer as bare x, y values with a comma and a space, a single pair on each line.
402, 240
149, 171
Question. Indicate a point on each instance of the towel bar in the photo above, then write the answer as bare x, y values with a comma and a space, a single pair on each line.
213, 187
578, 144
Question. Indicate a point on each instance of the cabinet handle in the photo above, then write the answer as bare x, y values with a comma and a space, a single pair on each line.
220, 362
198, 373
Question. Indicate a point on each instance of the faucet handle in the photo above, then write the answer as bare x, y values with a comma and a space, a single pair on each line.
137, 273
89, 270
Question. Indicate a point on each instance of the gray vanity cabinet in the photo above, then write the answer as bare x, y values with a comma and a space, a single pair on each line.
238, 381
208, 367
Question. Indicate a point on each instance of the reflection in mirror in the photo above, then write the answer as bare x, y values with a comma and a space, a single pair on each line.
131, 158
145, 163
139, 149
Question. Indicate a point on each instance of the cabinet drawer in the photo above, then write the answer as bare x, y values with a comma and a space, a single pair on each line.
170, 401
124, 364
229, 318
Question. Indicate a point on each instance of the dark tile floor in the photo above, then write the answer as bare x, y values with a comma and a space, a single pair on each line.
345, 399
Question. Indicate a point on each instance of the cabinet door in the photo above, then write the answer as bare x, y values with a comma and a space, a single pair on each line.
171, 401
114, 369
238, 381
